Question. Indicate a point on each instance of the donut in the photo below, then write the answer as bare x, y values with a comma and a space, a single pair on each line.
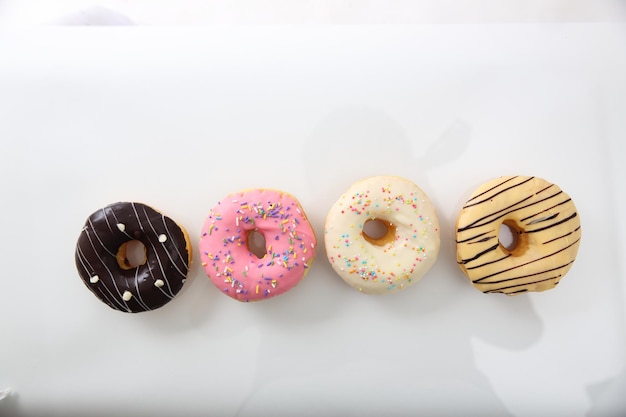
546, 230
403, 251
229, 259
102, 259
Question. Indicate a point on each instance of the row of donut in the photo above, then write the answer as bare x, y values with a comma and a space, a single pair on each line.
381, 236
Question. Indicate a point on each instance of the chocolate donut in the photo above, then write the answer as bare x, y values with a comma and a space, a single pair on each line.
103, 266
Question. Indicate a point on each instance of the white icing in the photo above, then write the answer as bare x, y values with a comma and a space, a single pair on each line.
162, 238
379, 268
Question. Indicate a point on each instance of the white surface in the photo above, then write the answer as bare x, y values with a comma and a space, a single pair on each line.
245, 12
178, 119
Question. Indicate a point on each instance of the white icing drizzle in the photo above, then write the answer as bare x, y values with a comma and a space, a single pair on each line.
83, 260
182, 258
154, 249
184, 274
125, 287
117, 221
124, 307
99, 240
106, 218
139, 299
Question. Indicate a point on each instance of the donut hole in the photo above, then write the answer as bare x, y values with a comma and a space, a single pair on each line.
256, 243
131, 254
379, 232
511, 237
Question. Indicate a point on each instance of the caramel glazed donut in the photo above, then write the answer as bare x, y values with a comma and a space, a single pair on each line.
546, 230
103, 265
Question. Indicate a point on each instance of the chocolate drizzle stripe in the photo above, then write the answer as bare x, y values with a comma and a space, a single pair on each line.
492, 188
525, 276
479, 254
498, 193
473, 225
541, 213
543, 219
489, 263
522, 285
553, 224
483, 240
562, 236
544, 188
549, 208
474, 237
527, 263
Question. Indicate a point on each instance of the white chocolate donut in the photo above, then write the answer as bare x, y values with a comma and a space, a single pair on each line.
401, 255
546, 226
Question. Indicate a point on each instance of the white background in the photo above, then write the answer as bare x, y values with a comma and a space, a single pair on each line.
19, 13
179, 118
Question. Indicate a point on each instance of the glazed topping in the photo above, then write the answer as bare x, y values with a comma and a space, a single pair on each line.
103, 265
232, 265
408, 243
547, 233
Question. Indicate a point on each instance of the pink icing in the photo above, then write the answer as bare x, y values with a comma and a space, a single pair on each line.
229, 263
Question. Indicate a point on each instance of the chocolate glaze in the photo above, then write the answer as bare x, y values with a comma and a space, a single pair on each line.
142, 288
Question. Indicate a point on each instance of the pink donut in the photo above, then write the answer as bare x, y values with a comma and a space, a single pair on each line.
289, 244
